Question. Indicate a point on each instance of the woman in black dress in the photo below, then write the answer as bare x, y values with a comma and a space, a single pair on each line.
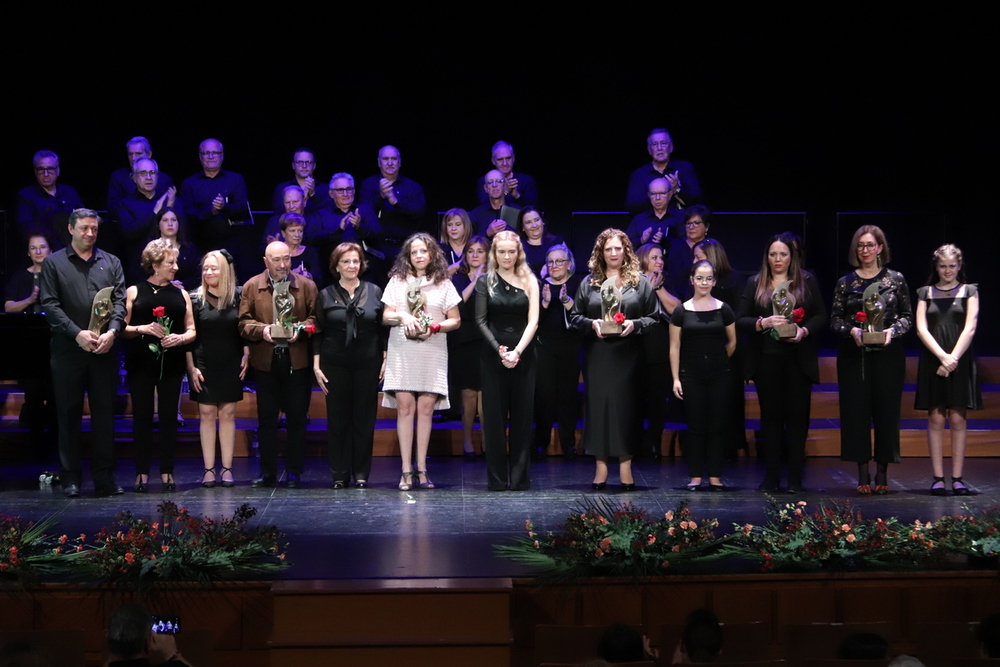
349, 362
507, 315
218, 363
465, 343
870, 376
558, 348
534, 238
611, 370
154, 312
947, 377
21, 292
783, 370
169, 227
702, 338
656, 341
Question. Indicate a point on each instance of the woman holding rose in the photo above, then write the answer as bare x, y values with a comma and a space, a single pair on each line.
159, 317
870, 375
783, 369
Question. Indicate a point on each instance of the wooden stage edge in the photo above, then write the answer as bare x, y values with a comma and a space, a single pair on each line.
492, 621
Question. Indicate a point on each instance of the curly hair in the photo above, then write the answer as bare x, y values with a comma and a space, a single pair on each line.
155, 252
437, 268
629, 273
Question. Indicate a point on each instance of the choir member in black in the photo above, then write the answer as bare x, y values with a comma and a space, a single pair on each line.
702, 338
305, 259
456, 230
158, 315
783, 370
45, 204
138, 213
170, 230
465, 343
870, 376
534, 238
656, 372
558, 349
947, 377
727, 287
613, 363
21, 295
697, 221
349, 362
507, 315
218, 362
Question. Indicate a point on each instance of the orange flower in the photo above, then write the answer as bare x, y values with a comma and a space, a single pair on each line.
129, 558
845, 528
850, 538
650, 538
670, 517
62, 539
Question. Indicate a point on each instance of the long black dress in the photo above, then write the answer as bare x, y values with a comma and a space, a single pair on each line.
149, 373
946, 313
559, 346
350, 341
218, 351
502, 317
611, 369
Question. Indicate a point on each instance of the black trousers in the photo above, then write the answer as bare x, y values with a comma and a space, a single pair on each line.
871, 393
707, 392
557, 378
657, 389
784, 393
282, 389
351, 408
142, 385
76, 372
508, 392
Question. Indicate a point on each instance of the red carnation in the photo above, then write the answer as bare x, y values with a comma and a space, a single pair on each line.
619, 318
861, 317
799, 314
159, 311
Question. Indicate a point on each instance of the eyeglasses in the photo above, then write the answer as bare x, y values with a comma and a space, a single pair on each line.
555, 262
343, 191
704, 279
145, 173
210, 153
46, 170
37, 248
303, 163
658, 194
494, 182
694, 223
867, 246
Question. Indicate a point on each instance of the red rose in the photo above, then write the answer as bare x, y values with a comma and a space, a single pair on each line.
861, 317
309, 328
619, 318
435, 327
799, 314
159, 311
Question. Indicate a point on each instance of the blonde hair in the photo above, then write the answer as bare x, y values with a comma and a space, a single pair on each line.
227, 278
521, 268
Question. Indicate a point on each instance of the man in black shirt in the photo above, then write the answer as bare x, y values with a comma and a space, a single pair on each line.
44, 205
314, 198
122, 185
399, 201
71, 278
519, 189
681, 174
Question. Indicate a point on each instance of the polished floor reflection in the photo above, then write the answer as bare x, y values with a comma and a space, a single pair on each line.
450, 531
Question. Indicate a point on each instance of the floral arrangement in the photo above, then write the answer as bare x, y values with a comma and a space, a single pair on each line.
976, 535
181, 547
28, 553
834, 537
605, 538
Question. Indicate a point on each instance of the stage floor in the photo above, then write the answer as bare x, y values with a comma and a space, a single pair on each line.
449, 531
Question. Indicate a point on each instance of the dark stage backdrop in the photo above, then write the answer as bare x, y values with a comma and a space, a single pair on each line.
823, 115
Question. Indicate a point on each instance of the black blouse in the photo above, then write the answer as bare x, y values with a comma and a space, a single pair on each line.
349, 328
847, 301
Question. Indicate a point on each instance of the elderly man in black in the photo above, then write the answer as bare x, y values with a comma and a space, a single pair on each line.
519, 189
214, 200
122, 183
659, 221
138, 214
71, 278
681, 174
494, 215
346, 221
399, 201
45, 204
313, 198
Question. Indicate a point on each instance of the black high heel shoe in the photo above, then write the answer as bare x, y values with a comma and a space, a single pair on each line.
962, 489
209, 484
226, 484
140, 486
168, 485
598, 486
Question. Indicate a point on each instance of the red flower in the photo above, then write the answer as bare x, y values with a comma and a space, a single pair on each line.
159, 311
799, 314
619, 318
309, 328
861, 317
129, 558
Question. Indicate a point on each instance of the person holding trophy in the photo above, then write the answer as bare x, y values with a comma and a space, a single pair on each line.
871, 310
781, 306
613, 305
420, 303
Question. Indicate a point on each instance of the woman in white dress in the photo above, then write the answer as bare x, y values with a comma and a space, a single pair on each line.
420, 303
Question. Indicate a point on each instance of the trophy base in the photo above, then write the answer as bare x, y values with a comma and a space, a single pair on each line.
786, 330
873, 338
418, 336
279, 332
611, 328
